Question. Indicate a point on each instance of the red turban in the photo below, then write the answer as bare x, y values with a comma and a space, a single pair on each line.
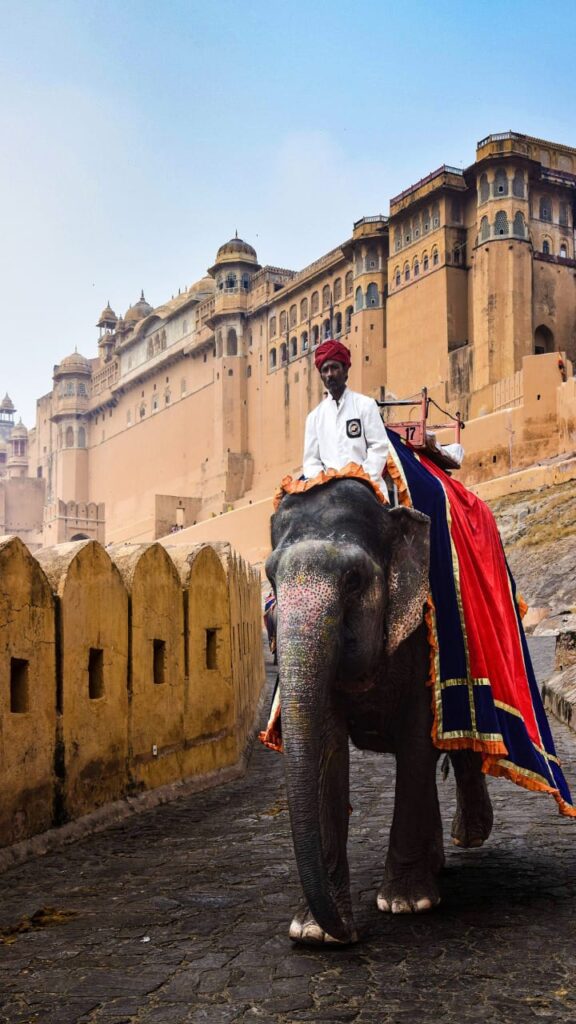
332, 350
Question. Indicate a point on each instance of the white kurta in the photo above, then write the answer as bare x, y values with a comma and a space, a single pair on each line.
346, 431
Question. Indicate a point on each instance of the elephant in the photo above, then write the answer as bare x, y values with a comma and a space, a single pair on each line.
351, 581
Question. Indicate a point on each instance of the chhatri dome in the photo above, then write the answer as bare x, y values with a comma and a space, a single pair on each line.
19, 430
7, 405
107, 317
236, 250
74, 363
204, 285
138, 311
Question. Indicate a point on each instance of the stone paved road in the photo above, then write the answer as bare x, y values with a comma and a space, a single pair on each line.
181, 915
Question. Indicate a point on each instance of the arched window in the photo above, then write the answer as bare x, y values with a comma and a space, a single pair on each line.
519, 228
545, 208
293, 348
501, 223
293, 315
426, 221
272, 359
518, 185
484, 189
546, 247
245, 281
359, 301
150, 348
81, 437
304, 341
337, 289
484, 229
283, 321
457, 255
425, 262
348, 319
563, 250
436, 216
349, 283
416, 267
315, 335
397, 239
325, 296
272, 327
230, 281
408, 237
248, 371
406, 271
371, 259
372, 295
415, 227
304, 309
69, 437
326, 332
563, 215
142, 410
337, 324
218, 344
543, 340
231, 343
283, 353
435, 258
456, 211
314, 303
500, 182
397, 276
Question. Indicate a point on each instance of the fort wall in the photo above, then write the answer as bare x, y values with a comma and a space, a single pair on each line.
121, 670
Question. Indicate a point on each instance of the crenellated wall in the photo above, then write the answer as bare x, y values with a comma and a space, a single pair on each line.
121, 670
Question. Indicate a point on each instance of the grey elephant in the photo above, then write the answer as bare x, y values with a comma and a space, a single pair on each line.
351, 580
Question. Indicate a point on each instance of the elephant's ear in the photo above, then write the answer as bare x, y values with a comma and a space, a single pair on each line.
408, 584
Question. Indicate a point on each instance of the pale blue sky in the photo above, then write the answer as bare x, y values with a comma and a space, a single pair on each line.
137, 136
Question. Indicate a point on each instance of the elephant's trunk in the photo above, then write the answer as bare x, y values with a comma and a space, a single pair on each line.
315, 742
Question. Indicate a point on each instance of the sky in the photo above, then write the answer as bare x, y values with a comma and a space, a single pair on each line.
137, 136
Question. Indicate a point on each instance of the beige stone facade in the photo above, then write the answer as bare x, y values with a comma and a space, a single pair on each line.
197, 405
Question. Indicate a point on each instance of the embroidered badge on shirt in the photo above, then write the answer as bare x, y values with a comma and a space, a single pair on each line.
353, 428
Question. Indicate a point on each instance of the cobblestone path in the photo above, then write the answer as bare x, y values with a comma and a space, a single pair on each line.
181, 914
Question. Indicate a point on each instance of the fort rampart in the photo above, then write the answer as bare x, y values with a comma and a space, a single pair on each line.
121, 670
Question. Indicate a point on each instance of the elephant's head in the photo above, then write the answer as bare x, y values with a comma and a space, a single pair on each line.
351, 578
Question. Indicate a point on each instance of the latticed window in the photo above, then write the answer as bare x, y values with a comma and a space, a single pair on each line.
406, 271
564, 250
484, 229
283, 321
397, 239
425, 263
371, 259
518, 185
325, 296
416, 268
272, 326
436, 216
315, 303
416, 227
426, 221
519, 227
337, 289
484, 189
545, 208
500, 182
501, 223
435, 258
304, 309
397, 276
293, 315
359, 301
349, 282
546, 247
563, 217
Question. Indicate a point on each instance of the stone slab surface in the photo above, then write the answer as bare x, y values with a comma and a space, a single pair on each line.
543, 655
180, 915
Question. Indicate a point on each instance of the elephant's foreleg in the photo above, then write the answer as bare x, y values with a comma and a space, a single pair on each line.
415, 854
473, 820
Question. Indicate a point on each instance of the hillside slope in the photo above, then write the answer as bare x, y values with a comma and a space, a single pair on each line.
538, 530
